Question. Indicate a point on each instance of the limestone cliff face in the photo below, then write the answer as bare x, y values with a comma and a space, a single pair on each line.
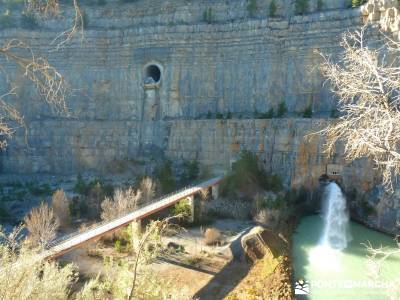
154, 75
238, 64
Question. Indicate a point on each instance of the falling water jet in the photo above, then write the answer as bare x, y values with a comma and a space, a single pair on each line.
336, 219
335, 235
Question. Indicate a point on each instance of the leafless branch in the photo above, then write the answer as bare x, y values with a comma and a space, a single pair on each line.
366, 81
42, 225
124, 201
43, 7
77, 26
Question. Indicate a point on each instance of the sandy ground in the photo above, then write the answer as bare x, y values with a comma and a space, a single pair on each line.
207, 272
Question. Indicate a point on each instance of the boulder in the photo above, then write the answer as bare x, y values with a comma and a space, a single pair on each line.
260, 241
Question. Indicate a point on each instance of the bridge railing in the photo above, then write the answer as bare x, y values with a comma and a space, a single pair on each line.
66, 238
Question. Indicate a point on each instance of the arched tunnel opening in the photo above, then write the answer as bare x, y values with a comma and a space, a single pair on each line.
152, 73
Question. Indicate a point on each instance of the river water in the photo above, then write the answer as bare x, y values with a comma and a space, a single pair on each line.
341, 274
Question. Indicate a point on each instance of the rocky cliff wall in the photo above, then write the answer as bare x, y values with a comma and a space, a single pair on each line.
238, 65
291, 148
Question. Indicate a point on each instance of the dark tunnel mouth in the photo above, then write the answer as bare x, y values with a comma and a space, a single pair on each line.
154, 72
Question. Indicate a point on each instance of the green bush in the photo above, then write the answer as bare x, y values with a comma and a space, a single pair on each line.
182, 208
252, 7
118, 246
15, 184
246, 171
263, 202
307, 113
80, 186
320, 5
219, 116
282, 109
37, 189
28, 20
272, 9
267, 115
290, 198
207, 15
270, 114
83, 188
229, 115
256, 114
209, 115
165, 178
296, 196
272, 182
367, 208
78, 208
301, 7
191, 171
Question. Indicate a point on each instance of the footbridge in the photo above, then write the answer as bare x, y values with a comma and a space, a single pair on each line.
69, 242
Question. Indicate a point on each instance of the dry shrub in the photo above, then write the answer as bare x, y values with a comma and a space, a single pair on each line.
42, 225
124, 201
204, 194
60, 206
212, 236
148, 188
24, 275
366, 82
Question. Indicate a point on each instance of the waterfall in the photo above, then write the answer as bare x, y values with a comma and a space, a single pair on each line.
336, 219
335, 236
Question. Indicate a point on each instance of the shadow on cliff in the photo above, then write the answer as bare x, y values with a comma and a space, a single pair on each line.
230, 276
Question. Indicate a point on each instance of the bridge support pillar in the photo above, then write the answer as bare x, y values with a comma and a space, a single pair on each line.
136, 231
215, 192
190, 200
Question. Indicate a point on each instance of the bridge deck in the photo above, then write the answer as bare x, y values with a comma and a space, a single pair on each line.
69, 242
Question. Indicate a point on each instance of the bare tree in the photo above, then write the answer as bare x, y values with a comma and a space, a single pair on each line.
366, 80
42, 225
124, 201
147, 249
51, 8
376, 258
60, 206
77, 26
148, 188
131, 279
367, 83
49, 83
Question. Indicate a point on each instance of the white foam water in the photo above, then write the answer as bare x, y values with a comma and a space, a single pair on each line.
336, 219
327, 255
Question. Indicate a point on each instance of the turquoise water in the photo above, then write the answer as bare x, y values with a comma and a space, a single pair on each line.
346, 274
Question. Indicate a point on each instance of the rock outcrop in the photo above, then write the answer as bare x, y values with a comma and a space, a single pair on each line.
384, 12
260, 242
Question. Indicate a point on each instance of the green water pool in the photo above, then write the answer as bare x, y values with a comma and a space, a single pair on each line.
342, 274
